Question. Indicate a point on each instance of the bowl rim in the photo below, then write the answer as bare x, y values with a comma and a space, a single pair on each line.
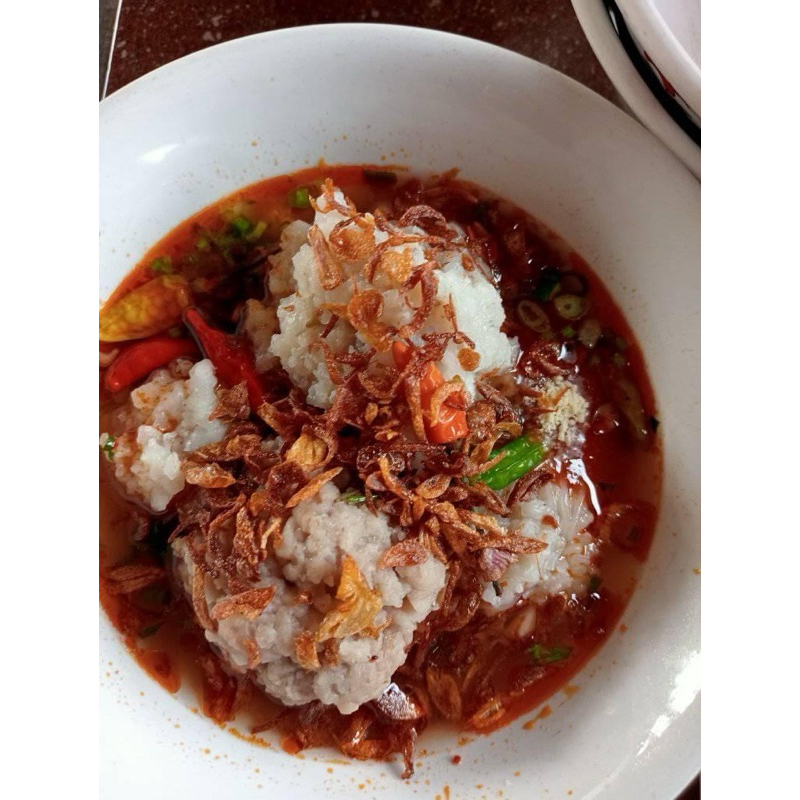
608, 48
679, 777
654, 35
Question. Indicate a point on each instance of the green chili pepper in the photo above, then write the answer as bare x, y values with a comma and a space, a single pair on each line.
521, 456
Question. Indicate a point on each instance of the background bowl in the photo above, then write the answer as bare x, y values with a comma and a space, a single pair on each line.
647, 90
208, 124
668, 35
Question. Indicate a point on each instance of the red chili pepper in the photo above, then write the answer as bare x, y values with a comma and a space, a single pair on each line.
140, 359
231, 356
452, 422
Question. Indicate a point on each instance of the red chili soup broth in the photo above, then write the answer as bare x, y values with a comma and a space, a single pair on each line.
157, 623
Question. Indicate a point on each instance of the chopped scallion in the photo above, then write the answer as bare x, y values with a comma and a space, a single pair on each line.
161, 265
107, 442
257, 232
242, 225
548, 655
380, 176
352, 497
568, 332
299, 198
532, 316
594, 583
570, 306
549, 284
149, 630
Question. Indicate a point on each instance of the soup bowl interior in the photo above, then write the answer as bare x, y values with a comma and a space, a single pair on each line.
184, 136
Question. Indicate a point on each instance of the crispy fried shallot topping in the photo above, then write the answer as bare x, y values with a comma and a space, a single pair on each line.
356, 605
247, 604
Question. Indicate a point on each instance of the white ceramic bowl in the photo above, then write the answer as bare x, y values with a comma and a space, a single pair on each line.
203, 126
668, 31
608, 48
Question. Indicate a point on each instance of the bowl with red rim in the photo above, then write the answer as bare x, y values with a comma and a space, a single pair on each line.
190, 133
651, 52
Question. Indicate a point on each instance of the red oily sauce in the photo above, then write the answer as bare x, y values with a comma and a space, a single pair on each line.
621, 463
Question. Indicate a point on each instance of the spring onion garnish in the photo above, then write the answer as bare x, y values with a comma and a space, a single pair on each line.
161, 266
242, 225
380, 176
257, 232
573, 283
496, 586
654, 423
568, 332
149, 630
570, 306
594, 583
548, 655
521, 456
589, 333
619, 360
549, 284
352, 497
532, 316
622, 344
202, 243
299, 198
107, 442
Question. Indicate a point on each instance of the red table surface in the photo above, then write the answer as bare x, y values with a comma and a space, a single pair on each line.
150, 33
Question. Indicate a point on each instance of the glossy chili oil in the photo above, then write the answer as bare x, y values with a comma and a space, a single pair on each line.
618, 468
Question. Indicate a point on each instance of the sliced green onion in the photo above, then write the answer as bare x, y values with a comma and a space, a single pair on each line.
161, 265
107, 442
496, 586
654, 423
149, 630
589, 333
532, 316
619, 360
548, 655
549, 284
521, 456
627, 397
622, 344
242, 225
573, 283
299, 198
257, 232
570, 306
594, 583
380, 176
352, 497
568, 332
202, 243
